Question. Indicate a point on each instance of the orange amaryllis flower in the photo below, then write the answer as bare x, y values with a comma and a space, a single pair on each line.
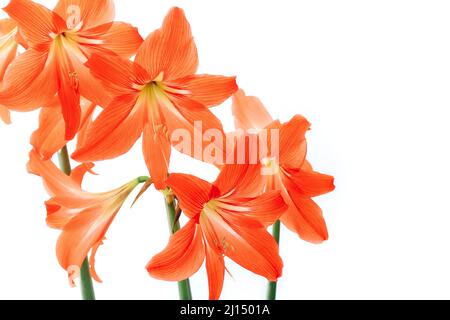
9, 43
156, 94
49, 137
223, 223
60, 42
83, 217
288, 171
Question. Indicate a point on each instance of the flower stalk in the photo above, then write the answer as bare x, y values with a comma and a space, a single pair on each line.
87, 286
272, 290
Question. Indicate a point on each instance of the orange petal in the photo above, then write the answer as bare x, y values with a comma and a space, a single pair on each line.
79, 172
36, 22
5, 115
215, 268
192, 192
182, 257
91, 12
121, 38
209, 90
30, 82
252, 248
81, 234
305, 218
184, 113
114, 132
68, 91
49, 137
157, 150
249, 112
230, 177
171, 49
311, 184
92, 270
58, 217
293, 142
89, 86
58, 184
265, 209
117, 74
8, 44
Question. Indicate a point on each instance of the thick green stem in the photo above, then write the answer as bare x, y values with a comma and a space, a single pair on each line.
87, 287
272, 292
184, 287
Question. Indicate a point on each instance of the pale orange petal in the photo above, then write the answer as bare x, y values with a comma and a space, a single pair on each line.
183, 256
171, 49
57, 216
249, 112
8, 44
5, 115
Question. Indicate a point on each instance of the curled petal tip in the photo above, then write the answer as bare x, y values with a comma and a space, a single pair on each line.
74, 273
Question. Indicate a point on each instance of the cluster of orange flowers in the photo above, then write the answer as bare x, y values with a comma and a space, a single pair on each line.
76, 59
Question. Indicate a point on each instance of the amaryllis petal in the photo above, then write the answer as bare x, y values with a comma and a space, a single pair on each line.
121, 38
36, 22
5, 115
49, 137
249, 112
209, 90
114, 132
86, 13
305, 218
254, 249
293, 142
215, 268
8, 44
183, 256
57, 216
309, 183
157, 150
192, 192
117, 74
229, 177
29, 83
265, 209
170, 50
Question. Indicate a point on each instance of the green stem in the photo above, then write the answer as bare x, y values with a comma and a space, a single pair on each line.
87, 287
184, 287
272, 292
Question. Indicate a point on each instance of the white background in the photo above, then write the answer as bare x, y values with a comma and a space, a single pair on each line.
373, 77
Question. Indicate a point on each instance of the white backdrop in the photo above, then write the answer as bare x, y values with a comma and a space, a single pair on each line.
373, 77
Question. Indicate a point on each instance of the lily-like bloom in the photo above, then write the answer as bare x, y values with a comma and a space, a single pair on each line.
223, 223
60, 42
156, 94
83, 217
9, 42
288, 171
49, 137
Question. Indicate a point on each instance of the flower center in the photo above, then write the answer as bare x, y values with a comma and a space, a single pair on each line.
270, 166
